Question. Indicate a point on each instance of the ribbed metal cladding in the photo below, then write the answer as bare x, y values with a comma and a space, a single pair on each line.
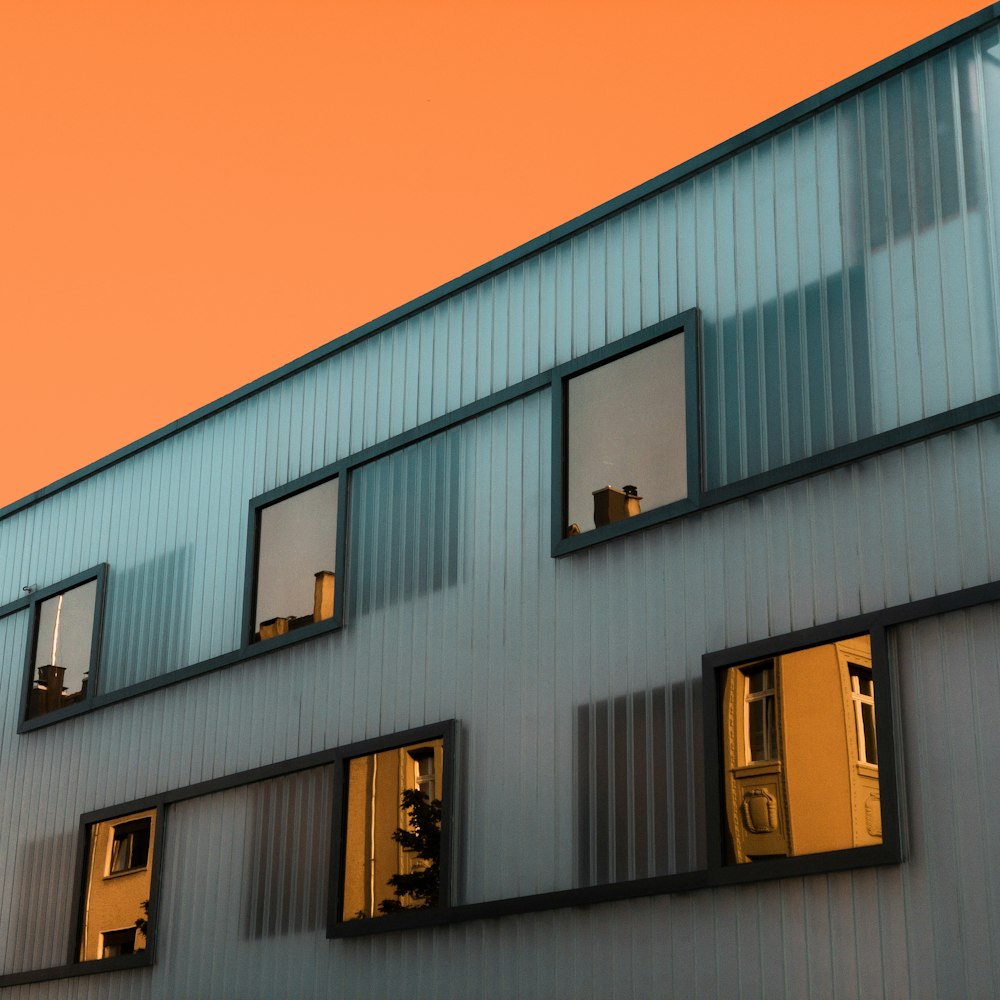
521, 649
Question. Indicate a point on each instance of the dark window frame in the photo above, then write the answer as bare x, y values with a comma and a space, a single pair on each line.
75, 966
33, 602
715, 665
430, 916
341, 472
687, 325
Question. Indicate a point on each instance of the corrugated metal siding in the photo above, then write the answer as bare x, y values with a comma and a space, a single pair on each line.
520, 647
925, 929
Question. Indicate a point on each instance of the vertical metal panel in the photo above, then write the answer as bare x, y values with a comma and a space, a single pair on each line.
950, 686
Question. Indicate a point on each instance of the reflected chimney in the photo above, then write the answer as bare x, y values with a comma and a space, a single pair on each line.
323, 596
47, 695
612, 505
273, 627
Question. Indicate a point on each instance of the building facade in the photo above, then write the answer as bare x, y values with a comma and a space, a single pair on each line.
620, 619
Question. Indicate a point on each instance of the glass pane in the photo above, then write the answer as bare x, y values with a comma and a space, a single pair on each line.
794, 737
868, 731
297, 560
760, 720
62, 649
627, 442
118, 879
392, 849
760, 679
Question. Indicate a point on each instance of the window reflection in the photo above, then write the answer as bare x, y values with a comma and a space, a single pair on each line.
626, 438
118, 879
801, 774
392, 849
63, 642
296, 562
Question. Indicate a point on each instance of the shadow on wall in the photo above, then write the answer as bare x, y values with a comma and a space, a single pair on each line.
640, 800
287, 854
44, 893
404, 524
148, 619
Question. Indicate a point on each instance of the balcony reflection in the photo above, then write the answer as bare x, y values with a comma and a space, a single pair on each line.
799, 751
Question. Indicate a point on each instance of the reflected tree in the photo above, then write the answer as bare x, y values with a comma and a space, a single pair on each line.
142, 923
421, 839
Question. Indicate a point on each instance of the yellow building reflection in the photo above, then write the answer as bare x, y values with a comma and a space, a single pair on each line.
800, 755
376, 811
119, 866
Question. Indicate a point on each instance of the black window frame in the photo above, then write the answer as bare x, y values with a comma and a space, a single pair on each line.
447, 732
686, 325
75, 966
340, 472
33, 602
714, 667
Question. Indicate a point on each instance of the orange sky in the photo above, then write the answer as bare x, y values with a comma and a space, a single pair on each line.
197, 191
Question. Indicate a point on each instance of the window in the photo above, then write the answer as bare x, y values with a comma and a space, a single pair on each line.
115, 943
390, 863
63, 655
798, 745
761, 736
424, 778
129, 846
626, 419
296, 560
863, 696
115, 915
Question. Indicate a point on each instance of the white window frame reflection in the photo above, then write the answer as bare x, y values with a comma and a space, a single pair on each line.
864, 705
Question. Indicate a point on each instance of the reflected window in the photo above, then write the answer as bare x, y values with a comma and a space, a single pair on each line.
798, 753
761, 732
392, 847
626, 436
130, 846
863, 696
115, 943
296, 561
117, 886
63, 650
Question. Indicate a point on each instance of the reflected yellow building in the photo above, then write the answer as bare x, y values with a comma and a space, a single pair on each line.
119, 866
376, 783
801, 762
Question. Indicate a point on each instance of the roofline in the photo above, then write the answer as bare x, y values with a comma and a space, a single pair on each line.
784, 119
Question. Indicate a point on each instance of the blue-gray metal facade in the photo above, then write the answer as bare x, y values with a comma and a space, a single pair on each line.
847, 272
